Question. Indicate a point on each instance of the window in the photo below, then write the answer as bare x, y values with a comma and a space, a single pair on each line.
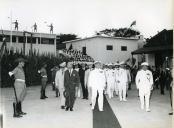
14, 39
46, 41
84, 50
21, 39
109, 47
33, 40
123, 48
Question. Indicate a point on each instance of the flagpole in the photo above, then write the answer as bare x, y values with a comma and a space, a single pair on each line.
10, 29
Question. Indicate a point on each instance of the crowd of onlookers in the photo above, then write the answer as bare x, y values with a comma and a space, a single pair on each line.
78, 55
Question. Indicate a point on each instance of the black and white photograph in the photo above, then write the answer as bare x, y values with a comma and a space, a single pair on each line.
86, 64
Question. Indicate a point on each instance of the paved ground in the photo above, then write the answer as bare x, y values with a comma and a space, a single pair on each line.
130, 115
47, 113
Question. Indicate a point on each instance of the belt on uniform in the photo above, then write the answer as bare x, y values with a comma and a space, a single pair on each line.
20, 80
44, 76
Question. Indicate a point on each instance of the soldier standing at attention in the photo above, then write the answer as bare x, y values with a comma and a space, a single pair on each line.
16, 25
44, 79
71, 82
144, 82
19, 87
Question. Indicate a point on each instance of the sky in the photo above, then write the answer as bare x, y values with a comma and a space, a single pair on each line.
85, 17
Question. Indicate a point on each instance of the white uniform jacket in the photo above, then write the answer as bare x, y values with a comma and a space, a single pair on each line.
110, 76
144, 80
59, 79
121, 76
87, 72
97, 79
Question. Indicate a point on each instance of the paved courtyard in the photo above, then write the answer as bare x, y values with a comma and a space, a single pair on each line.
47, 113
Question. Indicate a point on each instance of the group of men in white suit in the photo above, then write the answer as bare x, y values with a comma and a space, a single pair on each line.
102, 80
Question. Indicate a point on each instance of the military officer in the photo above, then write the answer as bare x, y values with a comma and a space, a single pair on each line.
110, 77
144, 82
19, 87
71, 82
97, 82
122, 81
87, 72
59, 83
116, 70
44, 79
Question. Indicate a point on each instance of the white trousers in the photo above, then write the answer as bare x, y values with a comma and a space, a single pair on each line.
89, 93
116, 88
100, 98
62, 98
122, 91
146, 97
110, 89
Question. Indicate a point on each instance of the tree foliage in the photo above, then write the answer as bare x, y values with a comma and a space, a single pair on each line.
121, 32
65, 37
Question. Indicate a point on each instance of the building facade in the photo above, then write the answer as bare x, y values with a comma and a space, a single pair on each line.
26, 41
107, 49
158, 51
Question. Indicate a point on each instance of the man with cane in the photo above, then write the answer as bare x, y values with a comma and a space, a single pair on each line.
19, 87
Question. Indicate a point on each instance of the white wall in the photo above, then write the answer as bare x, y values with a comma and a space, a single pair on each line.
96, 48
150, 58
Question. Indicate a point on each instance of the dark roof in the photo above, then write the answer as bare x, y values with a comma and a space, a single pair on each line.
163, 41
157, 49
165, 37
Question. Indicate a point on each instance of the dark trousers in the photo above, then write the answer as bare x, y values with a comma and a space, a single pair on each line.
162, 86
43, 84
70, 98
84, 90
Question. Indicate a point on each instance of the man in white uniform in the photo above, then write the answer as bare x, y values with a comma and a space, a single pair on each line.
116, 70
59, 83
87, 72
97, 82
122, 81
144, 82
110, 77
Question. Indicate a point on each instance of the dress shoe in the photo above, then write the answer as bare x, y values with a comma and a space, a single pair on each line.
62, 107
148, 110
171, 113
45, 97
71, 109
67, 108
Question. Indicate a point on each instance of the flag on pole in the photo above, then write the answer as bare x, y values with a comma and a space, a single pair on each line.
133, 23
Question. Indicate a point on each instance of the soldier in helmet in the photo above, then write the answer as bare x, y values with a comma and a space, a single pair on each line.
43, 73
19, 87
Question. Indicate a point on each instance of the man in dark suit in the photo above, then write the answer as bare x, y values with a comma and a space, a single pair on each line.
82, 78
71, 82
